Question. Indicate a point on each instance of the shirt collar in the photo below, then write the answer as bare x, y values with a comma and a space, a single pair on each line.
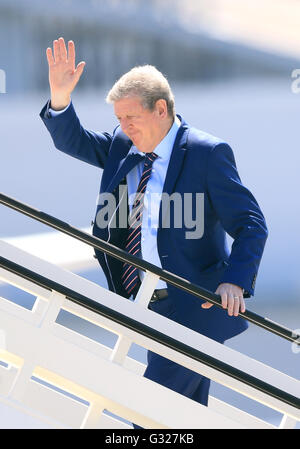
164, 148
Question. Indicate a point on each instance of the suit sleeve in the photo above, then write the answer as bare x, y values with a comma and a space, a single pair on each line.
69, 136
240, 216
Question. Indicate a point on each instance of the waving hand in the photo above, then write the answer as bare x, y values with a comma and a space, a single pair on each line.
63, 75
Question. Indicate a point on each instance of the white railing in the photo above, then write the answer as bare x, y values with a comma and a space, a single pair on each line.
72, 255
44, 362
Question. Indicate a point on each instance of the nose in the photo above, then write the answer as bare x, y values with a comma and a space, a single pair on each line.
125, 125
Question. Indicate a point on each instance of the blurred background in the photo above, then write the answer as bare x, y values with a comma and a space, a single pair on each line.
230, 65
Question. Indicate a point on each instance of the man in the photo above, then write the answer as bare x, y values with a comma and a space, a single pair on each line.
154, 152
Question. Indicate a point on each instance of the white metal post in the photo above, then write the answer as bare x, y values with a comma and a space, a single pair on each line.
146, 289
287, 422
93, 415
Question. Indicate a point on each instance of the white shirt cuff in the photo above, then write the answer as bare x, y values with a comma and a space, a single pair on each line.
54, 113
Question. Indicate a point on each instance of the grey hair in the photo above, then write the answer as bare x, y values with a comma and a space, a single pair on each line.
147, 83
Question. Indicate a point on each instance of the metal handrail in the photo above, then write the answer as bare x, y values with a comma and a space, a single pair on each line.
122, 255
151, 333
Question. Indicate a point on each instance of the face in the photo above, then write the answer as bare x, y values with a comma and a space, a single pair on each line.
144, 128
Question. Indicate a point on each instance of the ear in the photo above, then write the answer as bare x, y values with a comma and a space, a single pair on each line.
161, 108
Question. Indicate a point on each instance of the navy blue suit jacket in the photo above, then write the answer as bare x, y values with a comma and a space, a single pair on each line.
199, 163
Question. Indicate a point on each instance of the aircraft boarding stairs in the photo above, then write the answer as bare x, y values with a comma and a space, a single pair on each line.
68, 380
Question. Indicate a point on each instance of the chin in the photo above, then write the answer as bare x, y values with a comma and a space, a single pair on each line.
135, 140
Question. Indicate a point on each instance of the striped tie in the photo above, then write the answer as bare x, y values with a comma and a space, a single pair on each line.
130, 276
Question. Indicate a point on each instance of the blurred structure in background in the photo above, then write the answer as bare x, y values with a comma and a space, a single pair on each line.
191, 40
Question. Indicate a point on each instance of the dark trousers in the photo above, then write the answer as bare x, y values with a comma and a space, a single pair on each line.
177, 378
172, 375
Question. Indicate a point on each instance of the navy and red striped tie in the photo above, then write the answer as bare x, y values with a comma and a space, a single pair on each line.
130, 276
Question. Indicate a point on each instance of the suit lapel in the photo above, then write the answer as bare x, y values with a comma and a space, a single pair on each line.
130, 161
176, 161
119, 149
175, 164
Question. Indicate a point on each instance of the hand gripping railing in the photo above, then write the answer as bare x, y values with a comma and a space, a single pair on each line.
122, 255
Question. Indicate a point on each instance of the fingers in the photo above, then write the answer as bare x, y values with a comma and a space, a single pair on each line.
60, 52
71, 53
56, 51
233, 303
232, 299
79, 69
62, 49
206, 305
49, 55
224, 300
242, 304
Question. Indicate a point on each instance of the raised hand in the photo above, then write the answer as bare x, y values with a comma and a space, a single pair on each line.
63, 75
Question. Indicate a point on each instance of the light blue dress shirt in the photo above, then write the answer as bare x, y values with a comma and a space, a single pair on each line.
152, 195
